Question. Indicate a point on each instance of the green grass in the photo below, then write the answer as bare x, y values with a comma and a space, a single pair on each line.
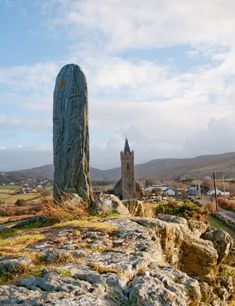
64, 272
8, 278
215, 223
9, 187
48, 187
14, 231
103, 269
5, 196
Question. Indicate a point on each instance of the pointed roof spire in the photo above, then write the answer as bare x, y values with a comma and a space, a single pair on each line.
127, 147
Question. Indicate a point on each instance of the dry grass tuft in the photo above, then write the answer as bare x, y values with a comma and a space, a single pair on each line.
102, 269
18, 243
104, 227
13, 277
66, 209
149, 211
140, 209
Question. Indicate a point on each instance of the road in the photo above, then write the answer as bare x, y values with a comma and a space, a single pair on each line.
228, 213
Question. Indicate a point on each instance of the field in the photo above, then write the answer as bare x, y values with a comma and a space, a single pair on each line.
9, 187
28, 204
12, 198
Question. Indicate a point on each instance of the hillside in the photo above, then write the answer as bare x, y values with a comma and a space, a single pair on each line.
170, 168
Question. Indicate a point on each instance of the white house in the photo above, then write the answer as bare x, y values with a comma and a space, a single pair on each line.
218, 192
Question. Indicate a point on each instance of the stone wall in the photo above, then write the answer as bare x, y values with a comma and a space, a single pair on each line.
225, 220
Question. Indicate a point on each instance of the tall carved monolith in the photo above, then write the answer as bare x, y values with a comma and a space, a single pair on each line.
70, 134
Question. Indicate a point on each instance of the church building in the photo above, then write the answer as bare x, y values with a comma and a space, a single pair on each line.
127, 188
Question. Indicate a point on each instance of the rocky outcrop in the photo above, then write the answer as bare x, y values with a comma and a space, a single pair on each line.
182, 248
70, 134
221, 240
108, 204
124, 261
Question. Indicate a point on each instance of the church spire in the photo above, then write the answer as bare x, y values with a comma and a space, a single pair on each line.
127, 147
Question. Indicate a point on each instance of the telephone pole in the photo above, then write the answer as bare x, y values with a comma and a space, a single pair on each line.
199, 189
223, 187
216, 199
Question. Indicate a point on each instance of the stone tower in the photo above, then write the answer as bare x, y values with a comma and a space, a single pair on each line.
127, 172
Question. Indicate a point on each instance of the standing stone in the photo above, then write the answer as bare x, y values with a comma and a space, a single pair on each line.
70, 134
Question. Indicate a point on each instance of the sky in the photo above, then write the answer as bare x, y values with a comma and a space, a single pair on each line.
159, 72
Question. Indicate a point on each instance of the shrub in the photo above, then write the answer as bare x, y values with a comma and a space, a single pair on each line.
185, 209
20, 202
226, 204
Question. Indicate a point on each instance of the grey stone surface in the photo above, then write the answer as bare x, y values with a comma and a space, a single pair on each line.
53, 282
70, 134
167, 286
8, 264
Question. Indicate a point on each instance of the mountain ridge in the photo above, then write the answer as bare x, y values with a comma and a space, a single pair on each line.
164, 168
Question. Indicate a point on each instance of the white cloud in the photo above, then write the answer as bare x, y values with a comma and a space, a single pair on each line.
150, 23
162, 111
23, 158
29, 86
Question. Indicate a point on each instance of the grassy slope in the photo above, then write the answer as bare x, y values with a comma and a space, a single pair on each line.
217, 224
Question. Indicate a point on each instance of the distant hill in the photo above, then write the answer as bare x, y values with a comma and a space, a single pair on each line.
170, 168
39, 173
196, 167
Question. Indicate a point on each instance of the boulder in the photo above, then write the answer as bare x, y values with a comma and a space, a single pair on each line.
197, 227
109, 204
221, 240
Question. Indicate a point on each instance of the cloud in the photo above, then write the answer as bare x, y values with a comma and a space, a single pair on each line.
163, 111
23, 158
147, 24
160, 111
218, 137
28, 86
